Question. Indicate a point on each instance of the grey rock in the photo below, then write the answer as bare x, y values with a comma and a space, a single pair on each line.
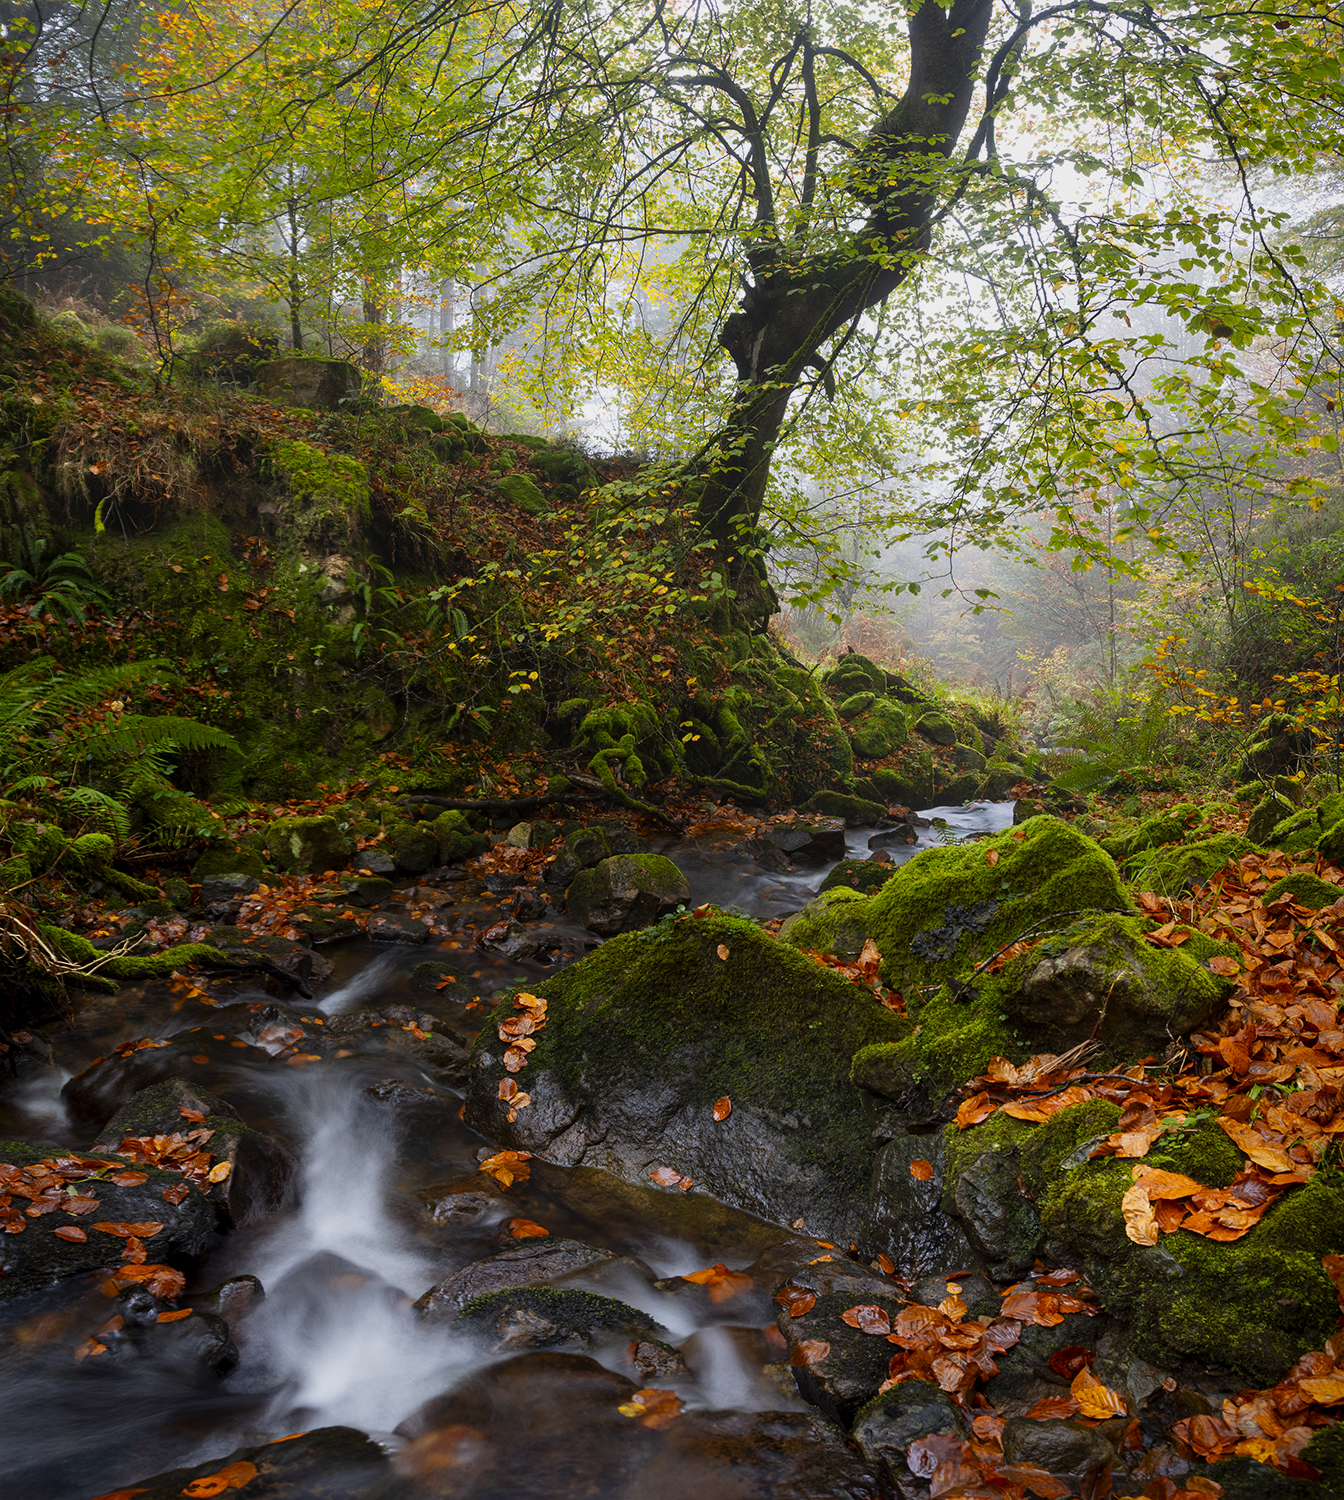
216, 890
625, 893
1067, 1450
544, 1317
396, 927
533, 1264
889, 1423
808, 843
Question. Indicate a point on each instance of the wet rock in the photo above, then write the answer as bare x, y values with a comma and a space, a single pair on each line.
396, 1093
375, 862
886, 1426
624, 841
622, 1276
528, 906
329, 1463
906, 1217
307, 846
532, 835
414, 847
810, 843
545, 1426
25, 1054
900, 837
855, 1363
625, 893
667, 1022
145, 1329
560, 869
1245, 1479
768, 855
37, 1256
856, 811
1102, 979
532, 1264
512, 940
976, 1291
999, 1222
367, 890
704, 1352
460, 1203
1025, 1376
260, 1168
233, 1300
395, 927
501, 882
220, 890
653, 1360
1068, 1450
425, 977
544, 1317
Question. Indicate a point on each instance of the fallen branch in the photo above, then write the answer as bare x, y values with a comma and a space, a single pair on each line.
492, 804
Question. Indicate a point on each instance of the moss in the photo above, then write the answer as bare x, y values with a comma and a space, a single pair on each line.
854, 810
1266, 816
332, 488
1180, 823
859, 875
1306, 889
874, 734
1325, 1452
937, 727
765, 1026
1297, 833
457, 841
1053, 1142
999, 1132
855, 673
1330, 845
307, 846
520, 490
158, 966
229, 862
949, 908
1100, 978
1203, 1152
853, 706
954, 1041
1175, 869
836, 922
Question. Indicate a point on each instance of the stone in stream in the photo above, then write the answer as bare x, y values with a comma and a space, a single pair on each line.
889, 1423
835, 922
328, 1463
810, 843
188, 1344
857, 874
528, 906
460, 1203
646, 1034
39, 1178
260, 1168
1069, 1450
397, 927
625, 893
548, 1317
550, 1426
533, 1263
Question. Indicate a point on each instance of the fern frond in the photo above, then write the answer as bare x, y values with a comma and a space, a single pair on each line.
136, 734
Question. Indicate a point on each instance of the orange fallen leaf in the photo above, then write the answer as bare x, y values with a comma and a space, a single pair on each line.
886, 1263
507, 1167
525, 1229
1262, 1152
69, 1232
219, 1172
234, 1477
722, 1108
723, 951
1222, 964
1326, 1389
128, 1179
1095, 1399
665, 1176
921, 1170
991, 856
971, 1111
1052, 1408
173, 1317
653, 1408
143, 1231
809, 1352
1136, 1209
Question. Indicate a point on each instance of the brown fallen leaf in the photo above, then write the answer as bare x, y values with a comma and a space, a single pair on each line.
991, 856
796, 1300
665, 1176
1262, 1152
173, 1317
143, 1231
653, 1408
885, 1263
722, 1108
971, 1111
234, 1477
219, 1172
720, 1282
722, 951
868, 1318
129, 1179
175, 1194
809, 1352
69, 1232
1141, 1224
1094, 1398
1222, 964
921, 1170
507, 1167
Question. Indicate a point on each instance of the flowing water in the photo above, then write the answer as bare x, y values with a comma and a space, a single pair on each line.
336, 1339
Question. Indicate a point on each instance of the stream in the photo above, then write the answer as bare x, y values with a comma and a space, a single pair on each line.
337, 1340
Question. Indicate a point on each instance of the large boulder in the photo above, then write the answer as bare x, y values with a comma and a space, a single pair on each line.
878, 730
313, 383
625, 893
950, 908
642, 1038
307, 846
1102, 979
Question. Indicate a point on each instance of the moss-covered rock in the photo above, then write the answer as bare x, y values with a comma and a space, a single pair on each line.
835, 922
329, 494
854, 705
954, 1041
643, 1036
626, 892
949, 908
543, 1317
1297, 833
1330, 845
854, 673
457, 839
856, 812
936, 727
520, 491
861, 875
414, 847
229, 862
1306, 889
1101, 979
1266, 816
910, 786
1177, 868
1181, 823
879, 730
307, 846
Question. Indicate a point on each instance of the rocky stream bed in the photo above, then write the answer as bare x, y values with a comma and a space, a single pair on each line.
687, 1214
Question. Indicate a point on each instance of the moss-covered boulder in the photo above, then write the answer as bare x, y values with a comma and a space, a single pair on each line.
1306, 889
879, 730
625, 893
854, 705
1101, 979
836, 922
645, 1035
854, 673
949, 908
936, 727
1181, 823
856, 811
1176, 868
414, 847
236, 861
520, 491
457, 839
909, 786
862, 875
1266, 816
307, 846
310, 382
